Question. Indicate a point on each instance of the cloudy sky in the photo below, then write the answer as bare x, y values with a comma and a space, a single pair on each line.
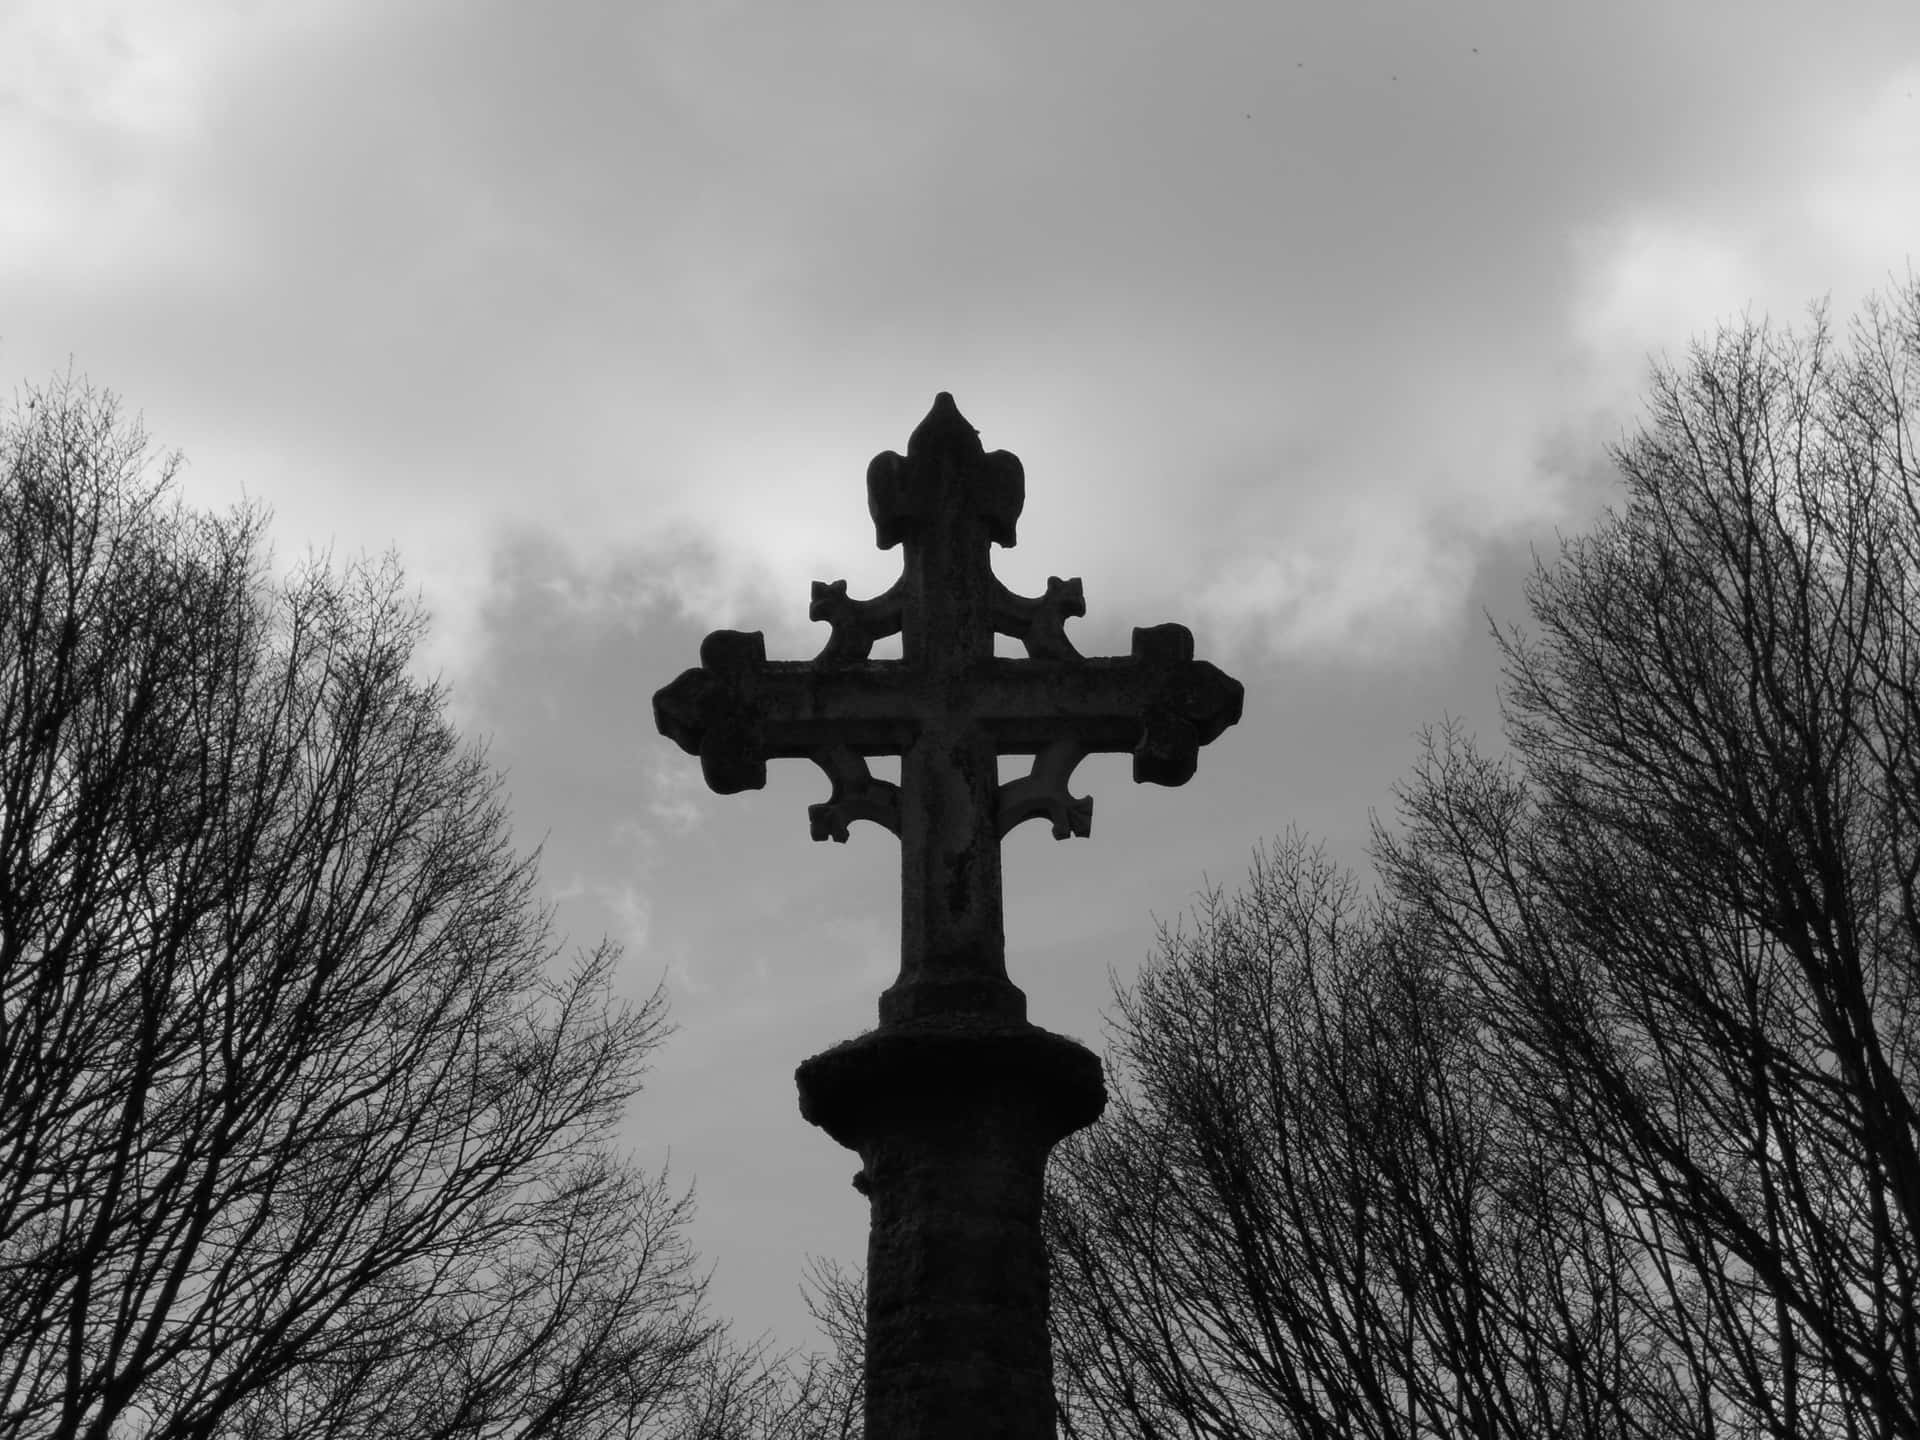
1307, 321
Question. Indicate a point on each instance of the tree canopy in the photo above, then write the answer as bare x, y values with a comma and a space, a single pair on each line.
306, 1118
1601, 1117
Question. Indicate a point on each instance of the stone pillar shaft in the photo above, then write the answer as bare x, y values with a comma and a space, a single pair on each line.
953, 1121
957, 1282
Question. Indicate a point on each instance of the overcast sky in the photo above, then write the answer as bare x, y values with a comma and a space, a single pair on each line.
1307, 321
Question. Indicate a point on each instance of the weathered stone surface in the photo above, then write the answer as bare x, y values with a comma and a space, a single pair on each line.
955, 1101
953, 1119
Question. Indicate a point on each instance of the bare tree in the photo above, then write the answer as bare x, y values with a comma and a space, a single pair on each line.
1687, 901
1306, 1212
302, 1130
837, 1300
755, 1393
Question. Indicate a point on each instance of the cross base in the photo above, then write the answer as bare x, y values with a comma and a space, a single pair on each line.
922, 999
953, 1120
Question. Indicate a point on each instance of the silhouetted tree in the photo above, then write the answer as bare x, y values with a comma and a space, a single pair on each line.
300, 1135
837, 1300
754, 1394
1308, 1212
1687, 900
1601, 1118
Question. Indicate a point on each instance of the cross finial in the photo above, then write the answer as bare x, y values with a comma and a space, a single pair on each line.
944, 429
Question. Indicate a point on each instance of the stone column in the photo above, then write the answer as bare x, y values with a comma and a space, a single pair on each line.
953, 1118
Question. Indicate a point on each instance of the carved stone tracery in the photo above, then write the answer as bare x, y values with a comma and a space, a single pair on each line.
949, 706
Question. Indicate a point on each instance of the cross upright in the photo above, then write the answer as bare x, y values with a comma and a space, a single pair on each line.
954, 1101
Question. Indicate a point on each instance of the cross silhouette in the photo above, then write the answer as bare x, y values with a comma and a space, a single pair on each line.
949, 707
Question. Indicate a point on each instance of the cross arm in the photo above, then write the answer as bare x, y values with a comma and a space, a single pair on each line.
737, 710
1158, 703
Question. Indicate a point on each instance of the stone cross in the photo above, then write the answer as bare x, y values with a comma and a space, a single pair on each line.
954, 1102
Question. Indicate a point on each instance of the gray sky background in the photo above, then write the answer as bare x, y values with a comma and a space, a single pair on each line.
1306, 321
